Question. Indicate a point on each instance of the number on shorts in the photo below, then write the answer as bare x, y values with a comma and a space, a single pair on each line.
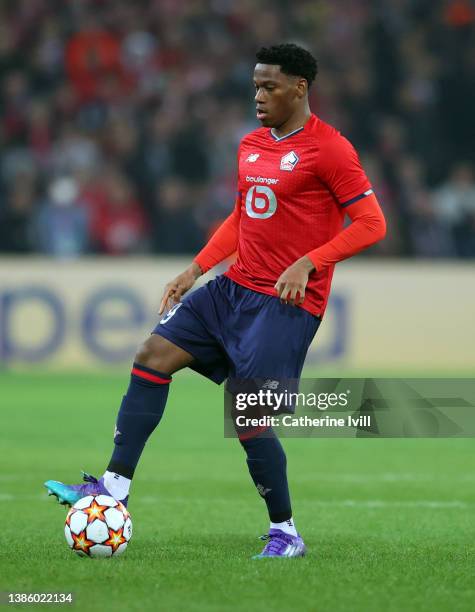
170, 313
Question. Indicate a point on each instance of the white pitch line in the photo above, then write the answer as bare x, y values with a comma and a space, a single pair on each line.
310, 477
379, 503
330, 477
19, 475
339, 503
345, 503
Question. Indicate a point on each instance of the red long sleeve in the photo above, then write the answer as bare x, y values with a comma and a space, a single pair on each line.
222, 243
368, 227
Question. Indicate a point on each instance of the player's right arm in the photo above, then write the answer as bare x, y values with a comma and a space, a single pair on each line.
223, 242
220, 246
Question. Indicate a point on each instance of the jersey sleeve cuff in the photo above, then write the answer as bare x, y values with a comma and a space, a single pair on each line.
365, 194
199, 261
315, 259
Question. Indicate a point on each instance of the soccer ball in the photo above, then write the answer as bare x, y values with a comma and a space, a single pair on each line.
98, 526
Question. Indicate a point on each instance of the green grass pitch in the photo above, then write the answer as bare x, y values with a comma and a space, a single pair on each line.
389, 523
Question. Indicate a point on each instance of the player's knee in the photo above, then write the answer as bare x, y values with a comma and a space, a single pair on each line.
150, 355
143, 354
161, 355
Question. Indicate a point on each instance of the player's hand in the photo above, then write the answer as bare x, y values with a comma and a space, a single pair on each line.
177, 288
292, 282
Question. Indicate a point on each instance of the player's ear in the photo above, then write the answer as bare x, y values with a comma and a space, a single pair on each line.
302, 88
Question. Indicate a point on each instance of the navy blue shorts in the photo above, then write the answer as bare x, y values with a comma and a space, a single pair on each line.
235, 332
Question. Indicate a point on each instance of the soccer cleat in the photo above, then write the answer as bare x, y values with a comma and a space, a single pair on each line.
282, 545
68, 495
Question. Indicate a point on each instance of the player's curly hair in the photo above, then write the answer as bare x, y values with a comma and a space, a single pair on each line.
292, 59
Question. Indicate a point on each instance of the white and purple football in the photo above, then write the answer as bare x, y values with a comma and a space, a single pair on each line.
98, 526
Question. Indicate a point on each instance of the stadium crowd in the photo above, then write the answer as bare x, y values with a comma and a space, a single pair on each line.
120, 120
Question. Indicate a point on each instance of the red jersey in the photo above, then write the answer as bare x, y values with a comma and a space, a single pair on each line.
292, 196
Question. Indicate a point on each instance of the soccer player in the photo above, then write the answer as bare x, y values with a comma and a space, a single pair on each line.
297, 178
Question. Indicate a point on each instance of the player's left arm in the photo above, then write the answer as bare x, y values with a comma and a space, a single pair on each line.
341, 170
368, 226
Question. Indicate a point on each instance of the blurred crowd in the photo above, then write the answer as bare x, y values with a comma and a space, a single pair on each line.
120, 120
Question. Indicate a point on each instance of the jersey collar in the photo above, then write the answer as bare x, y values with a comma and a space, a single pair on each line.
278, 139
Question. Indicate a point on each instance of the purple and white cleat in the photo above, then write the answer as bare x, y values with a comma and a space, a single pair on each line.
282, 545
68, 495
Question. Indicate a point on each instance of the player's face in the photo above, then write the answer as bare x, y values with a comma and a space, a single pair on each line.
278, 95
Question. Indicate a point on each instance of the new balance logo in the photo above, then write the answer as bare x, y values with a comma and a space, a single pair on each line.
262, 490
270, 384
253, 157
116, 432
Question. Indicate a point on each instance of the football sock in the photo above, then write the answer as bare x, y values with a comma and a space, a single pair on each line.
117, 485
140, 412
267, 465
285, 526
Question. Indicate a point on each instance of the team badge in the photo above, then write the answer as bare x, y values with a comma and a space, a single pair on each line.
289, 161
253, 157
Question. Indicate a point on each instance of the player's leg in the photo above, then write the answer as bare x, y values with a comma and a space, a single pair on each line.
267, 464
185, 336
142, 408
140, 412
275, 349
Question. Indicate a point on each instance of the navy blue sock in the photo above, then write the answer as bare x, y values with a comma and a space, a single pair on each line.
267, 465
140, 412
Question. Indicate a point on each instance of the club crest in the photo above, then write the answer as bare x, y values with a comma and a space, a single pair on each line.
289, 161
